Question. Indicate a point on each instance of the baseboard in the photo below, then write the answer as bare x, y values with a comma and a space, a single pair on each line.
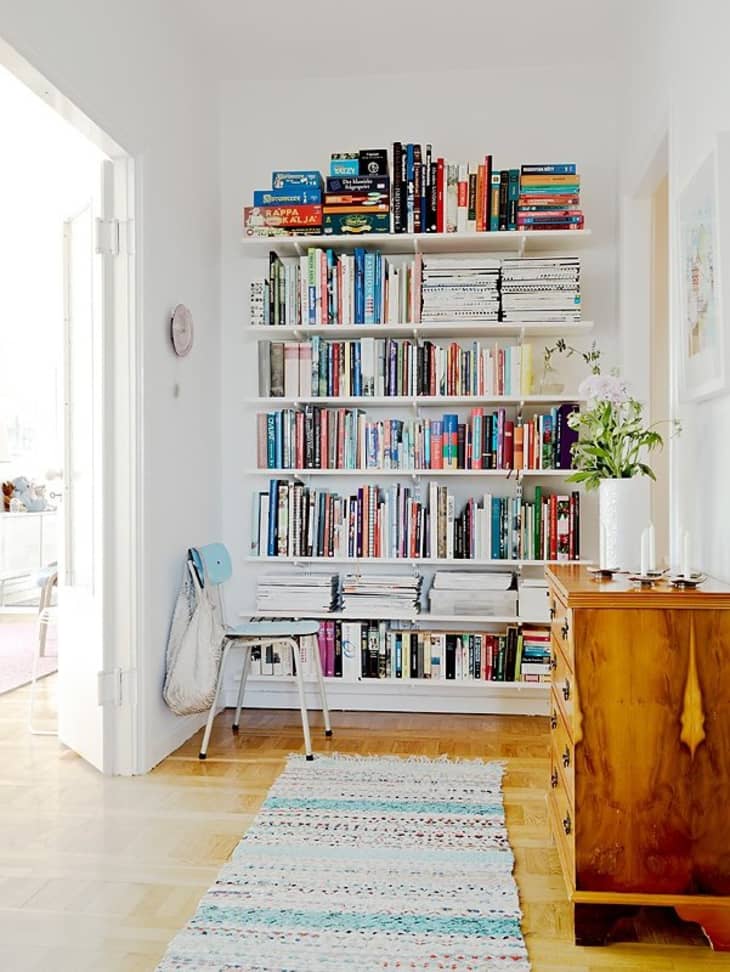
162, 746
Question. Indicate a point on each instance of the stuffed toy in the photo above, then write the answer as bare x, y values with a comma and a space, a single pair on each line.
7, 494
26, 493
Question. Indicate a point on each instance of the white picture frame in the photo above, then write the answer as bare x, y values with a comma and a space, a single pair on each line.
703, 226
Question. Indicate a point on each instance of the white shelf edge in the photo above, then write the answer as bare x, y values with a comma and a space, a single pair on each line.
424, 617
502, 241
416, 401
415, 684
410, 561
442, 329
508, 474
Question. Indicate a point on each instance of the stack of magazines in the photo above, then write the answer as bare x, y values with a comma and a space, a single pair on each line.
456, 290
541, 289
383, 594
297, 592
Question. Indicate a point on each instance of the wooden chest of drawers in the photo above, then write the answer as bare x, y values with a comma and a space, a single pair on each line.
639, 797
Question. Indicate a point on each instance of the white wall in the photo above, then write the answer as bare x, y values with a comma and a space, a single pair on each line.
539, 115
130, 68
680, 79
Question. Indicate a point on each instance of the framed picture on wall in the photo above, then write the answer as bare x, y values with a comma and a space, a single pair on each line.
703, 334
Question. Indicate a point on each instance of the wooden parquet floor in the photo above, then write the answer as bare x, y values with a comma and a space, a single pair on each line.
98, 874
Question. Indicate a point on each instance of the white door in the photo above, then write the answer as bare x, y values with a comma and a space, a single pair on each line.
84, 723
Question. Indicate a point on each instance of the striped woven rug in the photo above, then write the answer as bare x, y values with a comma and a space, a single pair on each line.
363, 863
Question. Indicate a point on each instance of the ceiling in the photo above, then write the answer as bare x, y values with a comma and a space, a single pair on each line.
288, 39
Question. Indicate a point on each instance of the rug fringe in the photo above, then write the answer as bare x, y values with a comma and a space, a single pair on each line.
416, 760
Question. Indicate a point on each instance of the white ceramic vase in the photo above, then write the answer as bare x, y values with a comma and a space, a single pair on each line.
624, 512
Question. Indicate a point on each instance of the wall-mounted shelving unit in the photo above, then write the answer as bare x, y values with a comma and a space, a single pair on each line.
413, 694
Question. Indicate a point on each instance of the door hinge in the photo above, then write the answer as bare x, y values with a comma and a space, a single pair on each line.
125, 236
114, 236
106, 239
117, 687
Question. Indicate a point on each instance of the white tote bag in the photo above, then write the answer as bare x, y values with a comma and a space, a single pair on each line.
193, 649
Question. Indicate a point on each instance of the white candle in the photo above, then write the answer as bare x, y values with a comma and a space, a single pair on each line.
652, 548
602, 549
685, 554
644, 552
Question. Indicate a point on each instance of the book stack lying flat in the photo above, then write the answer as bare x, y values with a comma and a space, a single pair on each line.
541, 289
384, 594
535, 662
293, 206
464, 289
461, 592
549, 197
358, 204
296, 591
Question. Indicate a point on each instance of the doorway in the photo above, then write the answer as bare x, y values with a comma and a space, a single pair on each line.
659, 363
68, 416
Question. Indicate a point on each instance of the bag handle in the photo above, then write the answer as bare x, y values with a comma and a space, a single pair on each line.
198, 573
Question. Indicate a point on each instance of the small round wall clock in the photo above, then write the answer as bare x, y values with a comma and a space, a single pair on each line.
181, 330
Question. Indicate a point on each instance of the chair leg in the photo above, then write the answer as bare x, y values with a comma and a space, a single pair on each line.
43, 624
213, 709
34, 680
322, 692
302, 701
242, 687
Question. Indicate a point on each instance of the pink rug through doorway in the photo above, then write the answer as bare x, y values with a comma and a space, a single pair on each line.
18, 641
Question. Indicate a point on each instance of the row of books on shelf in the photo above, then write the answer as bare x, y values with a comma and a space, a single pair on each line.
313, 437
408, 189
355, 650
322, 287
293, 520
376, 367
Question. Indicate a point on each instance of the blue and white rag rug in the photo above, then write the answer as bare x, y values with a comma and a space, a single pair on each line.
363, 863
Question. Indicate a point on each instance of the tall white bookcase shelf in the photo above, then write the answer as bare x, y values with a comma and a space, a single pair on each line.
410, 695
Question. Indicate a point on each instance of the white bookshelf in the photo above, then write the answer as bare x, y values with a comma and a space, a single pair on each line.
438, 695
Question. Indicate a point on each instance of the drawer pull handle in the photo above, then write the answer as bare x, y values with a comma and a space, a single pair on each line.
552, 612
566, 690
566, 758
564, 631
553, 719
567, 825
553, 663
554, 779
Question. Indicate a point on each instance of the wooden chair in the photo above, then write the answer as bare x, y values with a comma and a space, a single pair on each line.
212, 564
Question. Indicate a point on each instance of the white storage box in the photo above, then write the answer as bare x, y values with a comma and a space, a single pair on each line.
534, 600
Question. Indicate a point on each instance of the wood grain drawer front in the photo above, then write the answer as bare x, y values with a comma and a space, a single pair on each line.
561, 627
563, 683
562, 822
562, 747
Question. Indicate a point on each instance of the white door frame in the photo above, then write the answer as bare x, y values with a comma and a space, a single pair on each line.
121, 455
636, 282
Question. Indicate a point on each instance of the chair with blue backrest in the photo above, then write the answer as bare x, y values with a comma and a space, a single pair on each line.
212, 565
